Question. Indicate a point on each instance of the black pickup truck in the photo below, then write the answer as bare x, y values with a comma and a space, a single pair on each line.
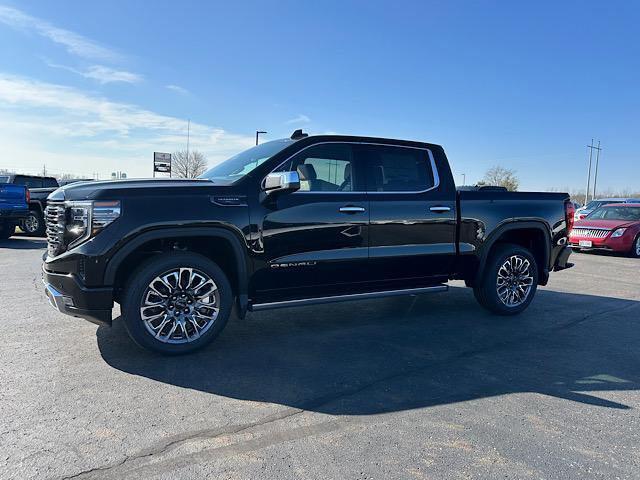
297, 221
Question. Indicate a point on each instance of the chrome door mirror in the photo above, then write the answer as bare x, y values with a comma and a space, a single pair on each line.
281, 182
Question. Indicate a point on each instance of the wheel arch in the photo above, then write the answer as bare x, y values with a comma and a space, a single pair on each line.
201, 240
36, 205
533, 235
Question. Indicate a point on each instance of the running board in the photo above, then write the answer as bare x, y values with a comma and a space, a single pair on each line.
343, 298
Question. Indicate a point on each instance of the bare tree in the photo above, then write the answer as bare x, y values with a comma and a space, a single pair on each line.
188, 167
501, 177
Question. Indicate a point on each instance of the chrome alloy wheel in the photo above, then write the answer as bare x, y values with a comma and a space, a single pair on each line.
638, 246
514, 281
180, 305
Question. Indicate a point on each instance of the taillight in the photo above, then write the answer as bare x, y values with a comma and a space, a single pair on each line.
27, 195
569, 212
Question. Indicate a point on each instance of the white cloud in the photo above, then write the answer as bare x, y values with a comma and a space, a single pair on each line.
298, 120
102, 74
86, 133
74, 43
177, 89
108, 75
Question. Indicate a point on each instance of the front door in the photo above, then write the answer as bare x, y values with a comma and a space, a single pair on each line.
412, 216
315, 241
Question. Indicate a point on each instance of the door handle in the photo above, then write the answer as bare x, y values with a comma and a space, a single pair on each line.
440, 209
351, 209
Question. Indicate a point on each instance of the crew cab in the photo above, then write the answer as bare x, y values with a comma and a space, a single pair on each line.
292, 222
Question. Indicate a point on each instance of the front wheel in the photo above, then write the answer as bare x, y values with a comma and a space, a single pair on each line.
177, 303
509, 281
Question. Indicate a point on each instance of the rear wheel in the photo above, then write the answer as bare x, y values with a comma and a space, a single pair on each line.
635, 248
33, 225
509, 281
177, 303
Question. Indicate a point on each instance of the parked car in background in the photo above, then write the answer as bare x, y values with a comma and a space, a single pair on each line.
614, 227
39, 189
13, 207
582, 212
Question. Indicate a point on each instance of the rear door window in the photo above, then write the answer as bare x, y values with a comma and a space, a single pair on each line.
397, 169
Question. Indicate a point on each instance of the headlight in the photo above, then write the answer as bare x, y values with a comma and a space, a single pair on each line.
86, 219
618, 232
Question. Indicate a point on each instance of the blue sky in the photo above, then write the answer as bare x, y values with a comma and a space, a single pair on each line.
98, 86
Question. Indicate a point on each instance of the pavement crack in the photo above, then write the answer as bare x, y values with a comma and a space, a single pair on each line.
91, 471
174, 442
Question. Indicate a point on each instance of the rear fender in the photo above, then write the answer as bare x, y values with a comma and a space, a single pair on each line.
495, 236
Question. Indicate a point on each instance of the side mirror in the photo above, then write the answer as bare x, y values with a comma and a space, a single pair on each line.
281, 182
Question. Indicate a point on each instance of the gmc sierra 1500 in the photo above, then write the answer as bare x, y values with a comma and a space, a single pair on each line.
293, 222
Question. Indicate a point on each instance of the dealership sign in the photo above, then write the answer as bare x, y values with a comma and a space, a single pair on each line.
161, 163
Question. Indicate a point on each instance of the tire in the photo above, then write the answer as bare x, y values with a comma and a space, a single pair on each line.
138, 291
524, 289
33, 225
6, 230
635, 248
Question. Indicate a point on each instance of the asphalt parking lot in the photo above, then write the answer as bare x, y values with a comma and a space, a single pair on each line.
427, 387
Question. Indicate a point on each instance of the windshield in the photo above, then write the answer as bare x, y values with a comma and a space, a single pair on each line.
243, 163
616, 213
4, 179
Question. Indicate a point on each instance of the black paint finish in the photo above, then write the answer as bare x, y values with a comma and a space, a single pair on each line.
296, 245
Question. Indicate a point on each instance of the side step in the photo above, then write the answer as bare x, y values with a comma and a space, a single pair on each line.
343, 298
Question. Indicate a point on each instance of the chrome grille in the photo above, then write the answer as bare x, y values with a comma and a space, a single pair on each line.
55, 220
590, 232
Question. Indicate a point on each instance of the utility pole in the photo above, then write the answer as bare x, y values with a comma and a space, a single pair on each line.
258, 132
44, 170
586, 193
595, 177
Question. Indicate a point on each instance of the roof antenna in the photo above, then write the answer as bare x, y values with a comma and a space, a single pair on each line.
298, 134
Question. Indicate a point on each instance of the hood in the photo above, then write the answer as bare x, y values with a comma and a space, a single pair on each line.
116, 188
609, 224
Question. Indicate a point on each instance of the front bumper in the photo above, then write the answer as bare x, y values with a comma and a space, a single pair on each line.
610, 244
69, 296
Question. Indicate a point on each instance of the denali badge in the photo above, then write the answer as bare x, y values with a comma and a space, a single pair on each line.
292, 264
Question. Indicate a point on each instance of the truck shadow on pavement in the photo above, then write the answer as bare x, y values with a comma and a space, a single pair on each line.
386, 355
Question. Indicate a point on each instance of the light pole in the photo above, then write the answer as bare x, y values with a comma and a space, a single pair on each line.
259, 132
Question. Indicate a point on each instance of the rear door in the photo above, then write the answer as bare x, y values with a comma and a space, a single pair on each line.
412, 216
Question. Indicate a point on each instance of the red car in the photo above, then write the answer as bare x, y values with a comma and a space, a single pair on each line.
612, 227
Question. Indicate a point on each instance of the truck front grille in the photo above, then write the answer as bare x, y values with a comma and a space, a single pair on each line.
590, 232
55, 220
